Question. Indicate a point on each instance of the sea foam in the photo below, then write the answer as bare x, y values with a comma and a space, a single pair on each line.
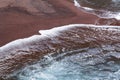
60, 41
111, 11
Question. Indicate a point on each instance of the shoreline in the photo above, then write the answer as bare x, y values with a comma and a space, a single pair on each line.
15, 25
23, 52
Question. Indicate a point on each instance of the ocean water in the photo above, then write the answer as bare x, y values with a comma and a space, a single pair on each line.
102, 8
70, 52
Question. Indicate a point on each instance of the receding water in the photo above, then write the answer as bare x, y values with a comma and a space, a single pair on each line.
97, 63
103, 8
109, 5
71, 52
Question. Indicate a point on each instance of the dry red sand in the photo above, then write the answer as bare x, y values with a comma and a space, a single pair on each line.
15, 24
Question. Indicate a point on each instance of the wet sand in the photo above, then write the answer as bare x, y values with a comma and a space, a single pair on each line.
16, 24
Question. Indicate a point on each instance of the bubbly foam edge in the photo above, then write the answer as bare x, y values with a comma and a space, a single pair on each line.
53, 32
112, 15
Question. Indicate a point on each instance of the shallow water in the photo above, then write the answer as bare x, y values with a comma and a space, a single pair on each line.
103, 8
71, 52
83, 64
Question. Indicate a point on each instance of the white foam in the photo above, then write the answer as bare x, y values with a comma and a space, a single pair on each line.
109, 14
105, 14
76, 3
21, 43
25, 44
88, 9
56, 31
117, 16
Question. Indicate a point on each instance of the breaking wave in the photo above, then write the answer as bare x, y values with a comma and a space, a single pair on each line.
71, 52
103, 8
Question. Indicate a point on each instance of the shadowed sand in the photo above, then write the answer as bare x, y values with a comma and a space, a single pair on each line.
16, 22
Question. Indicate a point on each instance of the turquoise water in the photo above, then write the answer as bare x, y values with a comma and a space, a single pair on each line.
81, 64
71, 52
76, 52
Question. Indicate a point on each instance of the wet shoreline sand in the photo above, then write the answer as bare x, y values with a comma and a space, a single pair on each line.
76, 38
16, 24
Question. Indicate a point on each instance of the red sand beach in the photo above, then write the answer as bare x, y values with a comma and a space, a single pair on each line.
16, 24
